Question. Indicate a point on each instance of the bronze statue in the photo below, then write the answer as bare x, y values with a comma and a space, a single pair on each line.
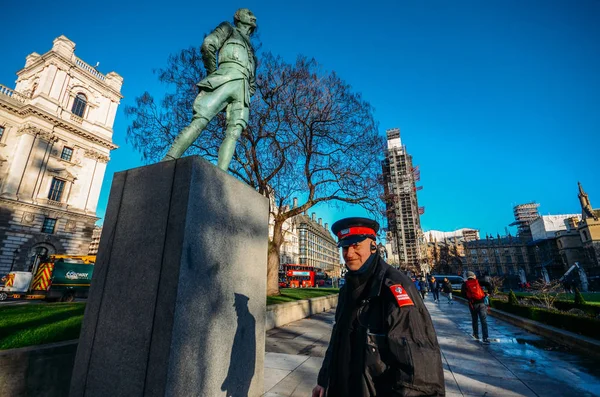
228, 87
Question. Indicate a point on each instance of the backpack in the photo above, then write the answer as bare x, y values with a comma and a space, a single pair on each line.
474, 291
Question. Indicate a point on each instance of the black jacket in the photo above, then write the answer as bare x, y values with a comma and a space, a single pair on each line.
447, 286
397, 346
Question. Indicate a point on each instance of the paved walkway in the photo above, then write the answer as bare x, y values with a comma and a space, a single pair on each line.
517, 363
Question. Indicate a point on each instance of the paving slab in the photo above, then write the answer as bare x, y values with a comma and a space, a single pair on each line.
518, 363
273, 376
287, 362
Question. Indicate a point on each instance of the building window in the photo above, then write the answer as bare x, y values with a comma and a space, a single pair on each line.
79, 105
56, 189
1, 131
48, 226
67, 153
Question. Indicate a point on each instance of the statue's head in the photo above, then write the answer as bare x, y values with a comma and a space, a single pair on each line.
246, 17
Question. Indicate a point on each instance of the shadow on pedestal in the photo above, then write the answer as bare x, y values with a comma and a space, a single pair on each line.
180, 279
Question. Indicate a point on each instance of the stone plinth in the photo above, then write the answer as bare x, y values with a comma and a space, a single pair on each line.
177, 303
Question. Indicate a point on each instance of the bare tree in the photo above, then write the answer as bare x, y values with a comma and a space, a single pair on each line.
546, 293
309, 136
497, 282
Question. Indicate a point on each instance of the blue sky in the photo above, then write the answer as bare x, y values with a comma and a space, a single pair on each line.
498, 101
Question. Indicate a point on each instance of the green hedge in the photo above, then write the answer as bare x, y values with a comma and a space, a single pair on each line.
578, 324
590, 310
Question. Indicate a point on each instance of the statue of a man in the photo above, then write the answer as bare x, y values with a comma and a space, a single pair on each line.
230, 86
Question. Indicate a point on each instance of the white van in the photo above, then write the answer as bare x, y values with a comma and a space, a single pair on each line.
456, 281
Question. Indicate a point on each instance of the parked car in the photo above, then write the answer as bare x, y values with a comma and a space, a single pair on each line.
456, 281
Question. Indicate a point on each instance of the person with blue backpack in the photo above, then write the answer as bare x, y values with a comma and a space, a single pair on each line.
476, 297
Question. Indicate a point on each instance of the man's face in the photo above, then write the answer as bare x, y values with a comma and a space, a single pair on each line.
357, 254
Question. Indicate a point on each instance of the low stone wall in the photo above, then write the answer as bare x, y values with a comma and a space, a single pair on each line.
285, 313
41, 371
45, 371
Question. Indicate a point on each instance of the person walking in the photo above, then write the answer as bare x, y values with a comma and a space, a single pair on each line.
476, 297
434, 288
447, 289
415, 281
383, 342
422, 287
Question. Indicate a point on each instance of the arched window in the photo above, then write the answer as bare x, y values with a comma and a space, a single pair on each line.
79, 105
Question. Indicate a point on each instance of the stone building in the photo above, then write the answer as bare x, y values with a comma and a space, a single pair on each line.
55, 141
317, 246
446, 250
499, 256
289, 250
589, 232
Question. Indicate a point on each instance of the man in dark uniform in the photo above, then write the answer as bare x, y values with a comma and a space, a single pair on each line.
383, 342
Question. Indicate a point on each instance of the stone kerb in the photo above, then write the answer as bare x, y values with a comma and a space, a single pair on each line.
285, 313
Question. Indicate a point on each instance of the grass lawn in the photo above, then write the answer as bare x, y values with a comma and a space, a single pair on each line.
294, 294
37, 324
590, 297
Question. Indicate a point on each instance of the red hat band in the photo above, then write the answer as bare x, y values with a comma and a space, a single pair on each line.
353, 231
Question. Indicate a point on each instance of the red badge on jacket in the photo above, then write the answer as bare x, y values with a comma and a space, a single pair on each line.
401, 296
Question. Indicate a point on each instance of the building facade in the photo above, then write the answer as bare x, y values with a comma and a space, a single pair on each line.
317, 246
402, 208
499, 256
446, 250
55, 141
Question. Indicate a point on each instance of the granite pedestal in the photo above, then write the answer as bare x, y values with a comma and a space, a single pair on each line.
177, 303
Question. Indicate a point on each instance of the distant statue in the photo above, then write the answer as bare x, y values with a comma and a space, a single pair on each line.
586, 207
228, 87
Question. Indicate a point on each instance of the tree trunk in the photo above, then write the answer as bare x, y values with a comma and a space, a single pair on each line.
273, 260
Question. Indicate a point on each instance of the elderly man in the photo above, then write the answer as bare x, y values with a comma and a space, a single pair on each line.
383, 342
230, 86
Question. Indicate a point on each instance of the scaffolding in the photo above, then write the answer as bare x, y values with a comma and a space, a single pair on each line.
524, 215
402, 209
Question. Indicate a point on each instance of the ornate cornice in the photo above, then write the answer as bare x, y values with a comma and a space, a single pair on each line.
62, 173
31, 129
57, 212
92, 154
29, 109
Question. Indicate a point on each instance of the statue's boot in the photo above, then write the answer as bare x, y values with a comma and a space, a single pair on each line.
185, 138
228, 146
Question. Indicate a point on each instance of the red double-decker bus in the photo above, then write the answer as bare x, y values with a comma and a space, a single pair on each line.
301, 276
